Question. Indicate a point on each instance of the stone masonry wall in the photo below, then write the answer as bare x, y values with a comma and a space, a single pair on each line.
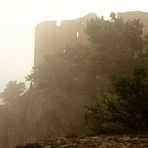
49, 37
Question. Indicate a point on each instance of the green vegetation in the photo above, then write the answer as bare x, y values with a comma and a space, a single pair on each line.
125, 108
117, 48
106, 82
12, 91
105, 76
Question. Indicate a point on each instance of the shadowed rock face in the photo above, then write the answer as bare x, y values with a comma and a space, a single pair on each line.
49, 37
102, 141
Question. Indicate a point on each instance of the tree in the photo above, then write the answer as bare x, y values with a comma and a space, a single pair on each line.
70, 69
126, 107
117, 48
13, 90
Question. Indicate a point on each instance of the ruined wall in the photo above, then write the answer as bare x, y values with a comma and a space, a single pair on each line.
143, 16
49, 37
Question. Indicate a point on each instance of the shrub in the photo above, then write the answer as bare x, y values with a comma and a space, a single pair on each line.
126, 108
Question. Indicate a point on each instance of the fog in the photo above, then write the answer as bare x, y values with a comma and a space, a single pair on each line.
84, 77
19, 18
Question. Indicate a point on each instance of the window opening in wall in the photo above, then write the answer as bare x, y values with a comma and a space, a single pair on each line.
77, 34
58, 23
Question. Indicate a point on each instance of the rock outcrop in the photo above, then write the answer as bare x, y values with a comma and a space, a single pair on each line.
103, 141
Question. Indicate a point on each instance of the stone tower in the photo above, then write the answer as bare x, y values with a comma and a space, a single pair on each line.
49, 37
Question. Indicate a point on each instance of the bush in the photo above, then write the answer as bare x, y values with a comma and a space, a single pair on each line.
126, 108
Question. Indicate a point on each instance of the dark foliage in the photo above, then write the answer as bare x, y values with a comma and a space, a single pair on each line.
126, 108
12, 91
116, 48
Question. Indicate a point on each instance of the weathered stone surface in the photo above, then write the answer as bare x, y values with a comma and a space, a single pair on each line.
49, 37
143, 16
103, 141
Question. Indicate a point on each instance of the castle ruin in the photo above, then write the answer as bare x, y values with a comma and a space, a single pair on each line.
49, 37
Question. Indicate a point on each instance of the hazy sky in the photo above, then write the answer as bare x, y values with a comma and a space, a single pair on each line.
18, 19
